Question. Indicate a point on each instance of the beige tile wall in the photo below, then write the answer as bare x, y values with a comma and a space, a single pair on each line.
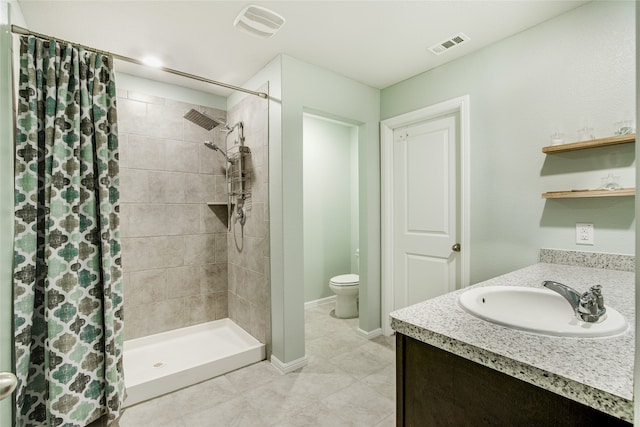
248, 248
174, 245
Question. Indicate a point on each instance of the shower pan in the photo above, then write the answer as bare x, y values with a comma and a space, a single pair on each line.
162, 363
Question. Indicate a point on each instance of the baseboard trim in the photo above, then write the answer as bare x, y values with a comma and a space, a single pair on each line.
369, 335
319, 302
285, 368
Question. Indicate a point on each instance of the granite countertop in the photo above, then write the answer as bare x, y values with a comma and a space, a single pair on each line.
597, 372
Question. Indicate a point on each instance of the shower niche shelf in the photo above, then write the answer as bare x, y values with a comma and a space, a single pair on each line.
220, 209
583, 145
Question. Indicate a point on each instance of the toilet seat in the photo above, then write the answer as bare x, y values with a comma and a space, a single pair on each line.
345, 280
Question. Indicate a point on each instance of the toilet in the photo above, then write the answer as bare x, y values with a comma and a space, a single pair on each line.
346, 288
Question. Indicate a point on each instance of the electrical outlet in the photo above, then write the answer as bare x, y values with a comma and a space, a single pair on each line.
584, 234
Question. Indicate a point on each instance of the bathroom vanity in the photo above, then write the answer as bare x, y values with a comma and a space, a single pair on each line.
456, 369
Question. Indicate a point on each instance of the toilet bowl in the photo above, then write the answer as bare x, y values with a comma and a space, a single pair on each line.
346, 288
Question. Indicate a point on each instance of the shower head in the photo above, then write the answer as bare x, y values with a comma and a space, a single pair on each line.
214, 147
211, 145
202, 120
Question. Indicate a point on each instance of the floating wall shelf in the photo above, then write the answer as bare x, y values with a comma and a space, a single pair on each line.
575, 194
582, 145
594, 143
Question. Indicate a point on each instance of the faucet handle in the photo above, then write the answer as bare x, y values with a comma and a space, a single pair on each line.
596, 290
588, 303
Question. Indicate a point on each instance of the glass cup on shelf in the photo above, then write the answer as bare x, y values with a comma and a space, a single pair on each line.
585, 134
610, 182
624, 127
557, 138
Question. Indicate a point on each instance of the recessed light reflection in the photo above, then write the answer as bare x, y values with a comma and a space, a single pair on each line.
152, 61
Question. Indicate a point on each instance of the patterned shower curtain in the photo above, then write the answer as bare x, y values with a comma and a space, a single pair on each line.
67, 272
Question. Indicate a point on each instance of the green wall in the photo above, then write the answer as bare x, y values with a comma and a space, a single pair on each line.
296, 88
574, 70
328, 194
308, 88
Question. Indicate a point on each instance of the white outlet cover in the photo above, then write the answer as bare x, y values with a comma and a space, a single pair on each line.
584, 234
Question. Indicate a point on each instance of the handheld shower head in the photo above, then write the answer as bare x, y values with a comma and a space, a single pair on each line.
202, 120
214, 147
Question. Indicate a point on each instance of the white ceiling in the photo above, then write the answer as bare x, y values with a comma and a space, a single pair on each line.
378, 43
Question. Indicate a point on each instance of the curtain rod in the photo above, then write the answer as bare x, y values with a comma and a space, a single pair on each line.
25, 32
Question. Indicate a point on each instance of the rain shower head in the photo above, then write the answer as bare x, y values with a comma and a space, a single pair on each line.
202, 120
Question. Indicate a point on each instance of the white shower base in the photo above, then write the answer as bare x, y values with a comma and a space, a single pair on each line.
158, 364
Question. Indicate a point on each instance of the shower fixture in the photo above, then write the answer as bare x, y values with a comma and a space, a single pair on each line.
214, 147
204, 121
235, 173
208, 123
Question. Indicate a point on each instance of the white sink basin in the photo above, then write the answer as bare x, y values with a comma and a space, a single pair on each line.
540, 311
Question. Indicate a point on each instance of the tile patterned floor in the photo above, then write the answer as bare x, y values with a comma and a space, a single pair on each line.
349, 381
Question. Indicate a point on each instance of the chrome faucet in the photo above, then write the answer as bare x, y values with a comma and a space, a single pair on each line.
588, 307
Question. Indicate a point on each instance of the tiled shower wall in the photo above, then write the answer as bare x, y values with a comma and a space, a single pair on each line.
248, 247
174, 246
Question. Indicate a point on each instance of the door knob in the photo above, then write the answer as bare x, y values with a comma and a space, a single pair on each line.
456, 247
8, 383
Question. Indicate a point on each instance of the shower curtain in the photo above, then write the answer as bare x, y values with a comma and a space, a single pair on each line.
67, 275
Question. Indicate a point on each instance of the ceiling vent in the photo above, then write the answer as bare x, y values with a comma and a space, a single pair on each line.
259, 21
449, 43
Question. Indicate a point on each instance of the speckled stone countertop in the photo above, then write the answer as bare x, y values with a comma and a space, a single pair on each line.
597, 372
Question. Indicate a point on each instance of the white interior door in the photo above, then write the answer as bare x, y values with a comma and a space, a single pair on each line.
426, 225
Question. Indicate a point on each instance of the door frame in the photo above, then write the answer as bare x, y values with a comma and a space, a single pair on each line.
460, 106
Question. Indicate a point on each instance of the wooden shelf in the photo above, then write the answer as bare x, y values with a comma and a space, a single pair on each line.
594, 143
588, 193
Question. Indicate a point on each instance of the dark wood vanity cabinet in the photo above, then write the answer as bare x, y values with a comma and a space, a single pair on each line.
438, 388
